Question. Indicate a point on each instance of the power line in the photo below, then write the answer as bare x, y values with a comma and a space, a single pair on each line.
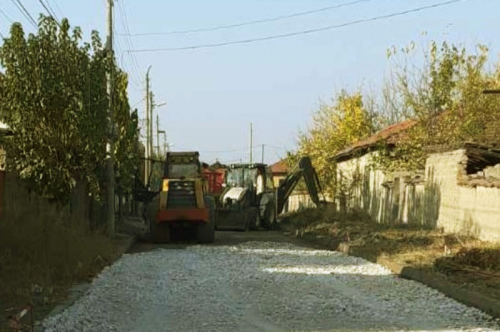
6, 16
51, 9
129, 44
57, 7
292, 34
25, 12
237, 25
51, 14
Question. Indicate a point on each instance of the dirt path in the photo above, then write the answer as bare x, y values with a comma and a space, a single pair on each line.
258, 281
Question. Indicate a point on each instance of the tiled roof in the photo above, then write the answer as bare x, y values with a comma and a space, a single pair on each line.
389, 134
279, 168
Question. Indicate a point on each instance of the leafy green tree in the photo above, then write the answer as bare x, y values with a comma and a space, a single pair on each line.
53, 97
446, 98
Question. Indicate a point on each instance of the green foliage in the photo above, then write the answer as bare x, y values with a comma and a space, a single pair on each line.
53, 97
127, 127
334, 128
447, 100
444, 95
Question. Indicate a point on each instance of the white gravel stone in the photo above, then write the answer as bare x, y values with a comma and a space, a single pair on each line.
259, 286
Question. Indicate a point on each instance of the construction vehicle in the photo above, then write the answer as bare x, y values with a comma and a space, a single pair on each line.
182, 203
249, 199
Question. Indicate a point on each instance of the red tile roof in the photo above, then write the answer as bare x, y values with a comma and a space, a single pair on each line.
279, 168
389, 134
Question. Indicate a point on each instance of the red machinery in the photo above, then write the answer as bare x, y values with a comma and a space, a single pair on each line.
214, 179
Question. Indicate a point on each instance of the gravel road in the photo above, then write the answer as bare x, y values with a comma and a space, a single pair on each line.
259, 286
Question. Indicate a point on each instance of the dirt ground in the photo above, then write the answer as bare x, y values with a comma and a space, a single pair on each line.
22, 288
468, 262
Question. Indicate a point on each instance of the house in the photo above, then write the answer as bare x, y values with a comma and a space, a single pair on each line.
279, 171
458, 190
299, 199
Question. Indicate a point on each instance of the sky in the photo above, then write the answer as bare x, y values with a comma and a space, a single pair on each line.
213, 94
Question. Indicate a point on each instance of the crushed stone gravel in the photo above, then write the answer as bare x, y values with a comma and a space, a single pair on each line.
259, 286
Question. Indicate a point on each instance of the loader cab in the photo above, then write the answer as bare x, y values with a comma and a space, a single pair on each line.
182, 165
253, 177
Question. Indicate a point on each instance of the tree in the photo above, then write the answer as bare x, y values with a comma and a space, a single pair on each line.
446, 98
53, 97
334, 128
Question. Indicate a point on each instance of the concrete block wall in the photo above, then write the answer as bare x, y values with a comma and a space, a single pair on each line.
439, 201
464, 209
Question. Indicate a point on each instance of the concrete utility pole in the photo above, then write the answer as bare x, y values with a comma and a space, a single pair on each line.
263, 145
158, 134
251, 142
151, 122
111, 127
148, 152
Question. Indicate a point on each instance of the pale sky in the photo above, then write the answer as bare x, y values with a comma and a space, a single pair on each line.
213, 94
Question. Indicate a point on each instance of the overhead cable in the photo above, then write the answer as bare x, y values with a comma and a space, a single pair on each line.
297, 33
237, 25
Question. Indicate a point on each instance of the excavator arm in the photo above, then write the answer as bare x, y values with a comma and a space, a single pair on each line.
303, 169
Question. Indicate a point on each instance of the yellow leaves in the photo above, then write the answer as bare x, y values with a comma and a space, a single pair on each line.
335, 126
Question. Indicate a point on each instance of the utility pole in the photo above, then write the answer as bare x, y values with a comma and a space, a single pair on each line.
165, 146
263, 145
158, 133
251, 142
148, 152
111, 126
151, 122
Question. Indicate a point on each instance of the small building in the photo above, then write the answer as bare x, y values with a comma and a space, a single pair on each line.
458, 190
279, 171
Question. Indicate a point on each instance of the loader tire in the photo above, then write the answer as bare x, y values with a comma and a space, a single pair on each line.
255, 221
269, 221
205, 232
160, 232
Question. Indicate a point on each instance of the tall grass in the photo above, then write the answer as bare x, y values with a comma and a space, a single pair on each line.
47, 254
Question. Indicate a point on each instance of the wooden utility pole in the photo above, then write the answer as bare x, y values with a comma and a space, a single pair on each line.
263, 145
111, 126
148, 152
251, 143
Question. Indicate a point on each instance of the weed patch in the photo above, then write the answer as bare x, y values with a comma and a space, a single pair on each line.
41, 259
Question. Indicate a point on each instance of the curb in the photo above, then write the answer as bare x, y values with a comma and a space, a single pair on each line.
433, 280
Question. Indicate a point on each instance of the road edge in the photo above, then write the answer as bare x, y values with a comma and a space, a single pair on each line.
125, 243
434, 280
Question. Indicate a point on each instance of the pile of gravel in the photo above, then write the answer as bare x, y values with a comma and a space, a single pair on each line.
259, 286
